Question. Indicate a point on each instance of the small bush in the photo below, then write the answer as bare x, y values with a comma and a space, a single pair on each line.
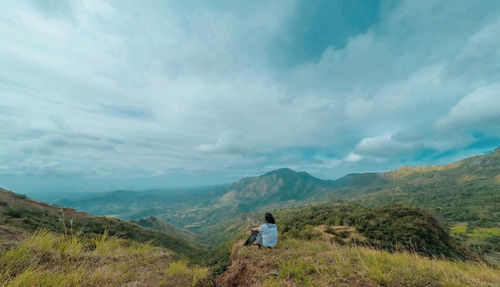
106, 245
344, 234
177, 268
15, 212
330, 230
71, 245
43, 240
337, 240
15, 261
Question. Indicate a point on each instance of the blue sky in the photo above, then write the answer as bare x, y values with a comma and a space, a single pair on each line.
99, 95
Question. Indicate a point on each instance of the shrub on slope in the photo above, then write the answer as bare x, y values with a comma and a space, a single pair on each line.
391, 227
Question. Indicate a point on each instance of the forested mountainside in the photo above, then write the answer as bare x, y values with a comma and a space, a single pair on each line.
157, 224
465, 191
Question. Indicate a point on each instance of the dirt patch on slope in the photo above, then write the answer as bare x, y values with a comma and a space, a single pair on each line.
341, 234
9, 238
242, 272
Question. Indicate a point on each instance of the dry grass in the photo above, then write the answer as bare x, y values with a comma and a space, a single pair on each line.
179, 270
47, 259
321, 263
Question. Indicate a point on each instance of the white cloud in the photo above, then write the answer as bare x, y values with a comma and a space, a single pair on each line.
147, 89
353, 157
384, 146
480, 109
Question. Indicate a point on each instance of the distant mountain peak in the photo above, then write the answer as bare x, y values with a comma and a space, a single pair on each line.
279, 185
287, 172
282, 171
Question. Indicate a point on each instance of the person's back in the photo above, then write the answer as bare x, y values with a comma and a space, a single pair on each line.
266, 234
269, 234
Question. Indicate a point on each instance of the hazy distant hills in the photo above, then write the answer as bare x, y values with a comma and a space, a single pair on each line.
165, 204
20, 216
467, 190
157, 224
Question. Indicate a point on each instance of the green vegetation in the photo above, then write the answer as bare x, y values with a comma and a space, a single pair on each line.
390, 227
178, 273
483, 241
319, 245
465, 191
318, 262
48, 259
374, 234
458, 229
167, 228
484, 232
28, 216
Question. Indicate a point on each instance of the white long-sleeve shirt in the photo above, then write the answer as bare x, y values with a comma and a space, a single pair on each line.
269, 234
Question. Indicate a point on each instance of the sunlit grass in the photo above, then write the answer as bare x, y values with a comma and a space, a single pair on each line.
137, 248
106, 245
478, 232
43, 240
483, 233
458, 229
47, 259
33, 277
71, 245
320, 263
180, 269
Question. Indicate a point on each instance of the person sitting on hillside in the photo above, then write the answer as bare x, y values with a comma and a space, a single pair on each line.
266, 234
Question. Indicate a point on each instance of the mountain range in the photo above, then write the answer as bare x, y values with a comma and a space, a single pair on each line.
381, 226
463, 191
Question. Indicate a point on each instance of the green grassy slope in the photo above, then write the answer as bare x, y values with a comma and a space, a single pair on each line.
319, 262
21, 215
47, 259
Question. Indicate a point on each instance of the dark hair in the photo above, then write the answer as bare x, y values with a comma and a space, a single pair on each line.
269, 218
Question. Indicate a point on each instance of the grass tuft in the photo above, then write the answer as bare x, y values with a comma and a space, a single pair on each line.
106, 245
180, 269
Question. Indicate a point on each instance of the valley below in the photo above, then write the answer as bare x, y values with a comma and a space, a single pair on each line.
414, 226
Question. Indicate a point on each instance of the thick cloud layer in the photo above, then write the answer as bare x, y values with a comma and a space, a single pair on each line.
136, 95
